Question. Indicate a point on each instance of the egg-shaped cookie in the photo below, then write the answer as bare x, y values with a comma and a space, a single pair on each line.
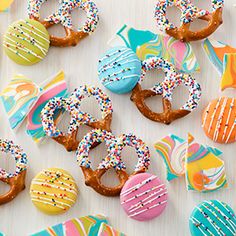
219, 120
144, 197
53, 191
26, 42
119, 69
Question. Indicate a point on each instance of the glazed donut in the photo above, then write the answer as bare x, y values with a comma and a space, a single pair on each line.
78, 117
172, 80
112, 160
16, 180
63, 16
189, 13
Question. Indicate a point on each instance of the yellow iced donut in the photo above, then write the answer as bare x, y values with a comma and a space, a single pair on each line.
4, 4
53, 191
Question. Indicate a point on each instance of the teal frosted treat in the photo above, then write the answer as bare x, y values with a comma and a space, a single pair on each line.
212, 218
119, 70
26, 42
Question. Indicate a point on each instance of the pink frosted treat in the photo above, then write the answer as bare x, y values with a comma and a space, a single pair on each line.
144, 197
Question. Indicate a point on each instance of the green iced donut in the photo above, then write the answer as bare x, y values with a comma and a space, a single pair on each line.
26, 42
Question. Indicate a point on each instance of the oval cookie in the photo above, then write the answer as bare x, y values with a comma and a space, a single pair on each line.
53, 191
219, 120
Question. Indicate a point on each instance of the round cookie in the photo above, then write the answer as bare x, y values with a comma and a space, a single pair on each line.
53, 191
144, 197
26, 42
212, 218
219, 120
119, 69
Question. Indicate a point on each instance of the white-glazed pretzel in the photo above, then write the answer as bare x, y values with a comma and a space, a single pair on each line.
189, 13
63, 16
172, 80
73, 106
114, 145
16, 180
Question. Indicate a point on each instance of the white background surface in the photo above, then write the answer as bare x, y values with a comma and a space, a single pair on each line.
20, 217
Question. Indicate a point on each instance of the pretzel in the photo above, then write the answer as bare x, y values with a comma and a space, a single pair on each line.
172, 80
16, 181
78, 117
112, 160
63, 16
189, 13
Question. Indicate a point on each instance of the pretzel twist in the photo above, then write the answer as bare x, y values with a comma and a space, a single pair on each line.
189, 13
114, 145
172, 80
72, 105
15, 180
63, 16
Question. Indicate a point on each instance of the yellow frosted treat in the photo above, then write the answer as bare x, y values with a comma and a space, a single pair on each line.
53, 191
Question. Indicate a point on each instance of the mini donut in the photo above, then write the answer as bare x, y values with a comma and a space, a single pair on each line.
15, 180
189, 13
114, 146
172, 80
144, 197
78, 117
53, 191
119, 69
26, 42
63, 16
219, 120
212, 218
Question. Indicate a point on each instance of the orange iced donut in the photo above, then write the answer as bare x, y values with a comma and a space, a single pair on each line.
219, 120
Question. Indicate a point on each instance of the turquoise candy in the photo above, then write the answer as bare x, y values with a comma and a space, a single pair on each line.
212, 218
119, 69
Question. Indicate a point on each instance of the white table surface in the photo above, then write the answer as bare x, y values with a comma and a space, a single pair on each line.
20, 217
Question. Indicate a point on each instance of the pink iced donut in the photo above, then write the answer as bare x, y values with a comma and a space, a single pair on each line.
144, 197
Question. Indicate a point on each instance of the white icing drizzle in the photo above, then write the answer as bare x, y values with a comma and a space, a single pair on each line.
228, 118
231, 131
54, 174
141, 194
214, 113
149, 208
37, 29
206, 115
137, 186
46, 200
123, 78
52, 195
30, 40
217, 228
55, 186
48, 203
221, 213
19, 46
219, 120
114, 53
144, 202
195, 221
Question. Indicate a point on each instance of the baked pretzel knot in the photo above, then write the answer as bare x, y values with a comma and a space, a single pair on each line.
112, 160
63, 16
72, 105
189, 13
16, 181
172, 80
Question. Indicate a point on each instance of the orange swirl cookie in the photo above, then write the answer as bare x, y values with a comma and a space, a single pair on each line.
219, 120
53, 191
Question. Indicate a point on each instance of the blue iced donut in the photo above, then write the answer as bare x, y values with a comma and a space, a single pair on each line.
212, 218
119, 70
